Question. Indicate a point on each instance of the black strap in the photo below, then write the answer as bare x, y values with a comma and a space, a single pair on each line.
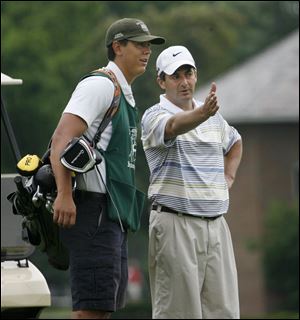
113, 108
111, 111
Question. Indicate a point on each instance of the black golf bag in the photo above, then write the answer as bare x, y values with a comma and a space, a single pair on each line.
36, 191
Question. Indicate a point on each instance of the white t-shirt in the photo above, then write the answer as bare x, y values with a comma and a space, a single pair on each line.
90, 100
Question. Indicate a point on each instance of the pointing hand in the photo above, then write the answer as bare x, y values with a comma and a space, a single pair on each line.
213, 87
210, 106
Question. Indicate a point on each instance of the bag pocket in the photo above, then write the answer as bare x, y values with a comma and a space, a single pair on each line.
127, 202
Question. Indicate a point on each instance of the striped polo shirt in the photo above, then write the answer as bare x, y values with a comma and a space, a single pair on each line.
187, 172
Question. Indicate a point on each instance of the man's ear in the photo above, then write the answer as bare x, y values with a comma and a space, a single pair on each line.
161, 83
117, 48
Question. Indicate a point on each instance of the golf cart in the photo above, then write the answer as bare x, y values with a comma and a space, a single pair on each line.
24, 290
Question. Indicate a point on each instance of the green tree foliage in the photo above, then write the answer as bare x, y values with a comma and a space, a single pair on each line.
281, 255
264, 23
52, 44
42, 45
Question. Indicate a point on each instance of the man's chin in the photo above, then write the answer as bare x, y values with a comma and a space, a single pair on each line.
186, 97
143, 69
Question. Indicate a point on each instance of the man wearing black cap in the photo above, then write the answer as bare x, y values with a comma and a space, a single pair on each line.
96, 239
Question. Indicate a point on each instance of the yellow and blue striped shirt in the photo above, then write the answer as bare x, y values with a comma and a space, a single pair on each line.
187, 172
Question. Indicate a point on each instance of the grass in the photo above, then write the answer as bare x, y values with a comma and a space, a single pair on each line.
55, 313
132, 311
278, 315
142, 311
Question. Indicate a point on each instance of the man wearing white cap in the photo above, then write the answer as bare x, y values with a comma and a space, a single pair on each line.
193, 155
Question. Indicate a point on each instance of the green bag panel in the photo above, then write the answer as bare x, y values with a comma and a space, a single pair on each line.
120, 157
129, 202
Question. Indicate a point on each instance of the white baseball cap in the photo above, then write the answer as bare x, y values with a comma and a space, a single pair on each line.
172, 58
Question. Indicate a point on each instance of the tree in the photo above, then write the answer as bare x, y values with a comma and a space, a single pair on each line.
51, 45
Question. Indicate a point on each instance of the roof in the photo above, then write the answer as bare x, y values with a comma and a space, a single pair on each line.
7, 80
263, 89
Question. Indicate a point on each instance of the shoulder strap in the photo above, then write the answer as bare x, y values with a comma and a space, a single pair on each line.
111, 111
113, 108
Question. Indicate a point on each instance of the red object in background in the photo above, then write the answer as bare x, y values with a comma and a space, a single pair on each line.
134, 274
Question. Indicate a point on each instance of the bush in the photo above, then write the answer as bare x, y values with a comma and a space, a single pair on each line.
281, 255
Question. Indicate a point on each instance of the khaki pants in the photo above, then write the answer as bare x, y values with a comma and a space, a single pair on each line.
192, 268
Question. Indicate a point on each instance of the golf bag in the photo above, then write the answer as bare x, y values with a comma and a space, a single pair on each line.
33, 201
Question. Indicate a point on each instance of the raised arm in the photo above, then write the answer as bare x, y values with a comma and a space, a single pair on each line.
183, 122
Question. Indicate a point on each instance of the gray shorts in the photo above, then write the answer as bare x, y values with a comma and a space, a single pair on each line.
98, 256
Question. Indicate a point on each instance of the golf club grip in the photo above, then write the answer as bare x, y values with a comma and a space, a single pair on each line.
19, 184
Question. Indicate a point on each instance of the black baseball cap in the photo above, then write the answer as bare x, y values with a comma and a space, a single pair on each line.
130, 29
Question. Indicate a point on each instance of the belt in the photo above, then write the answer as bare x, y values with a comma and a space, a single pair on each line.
166, 209
81, 194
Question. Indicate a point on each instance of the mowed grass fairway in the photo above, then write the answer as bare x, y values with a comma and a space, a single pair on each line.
143, 311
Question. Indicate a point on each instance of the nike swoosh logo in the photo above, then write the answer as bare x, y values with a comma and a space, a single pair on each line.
175, 54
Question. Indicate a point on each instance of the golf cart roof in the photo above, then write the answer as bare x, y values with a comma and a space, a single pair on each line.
7, 80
